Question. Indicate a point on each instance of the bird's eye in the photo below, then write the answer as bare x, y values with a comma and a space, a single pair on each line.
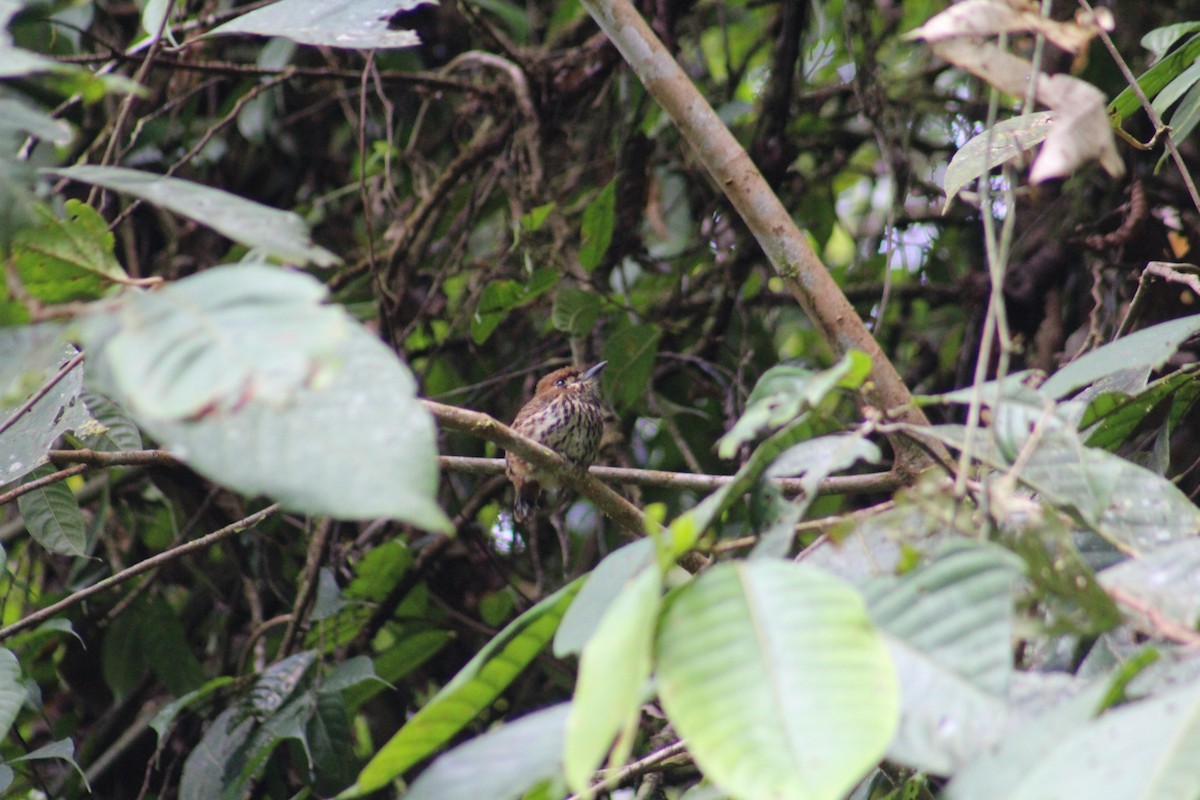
561, 382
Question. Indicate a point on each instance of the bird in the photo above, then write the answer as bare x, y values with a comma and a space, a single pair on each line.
564, 414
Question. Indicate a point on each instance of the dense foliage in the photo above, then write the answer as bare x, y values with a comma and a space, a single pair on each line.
263, 259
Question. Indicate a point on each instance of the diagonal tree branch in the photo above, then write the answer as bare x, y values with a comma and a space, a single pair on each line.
783, 243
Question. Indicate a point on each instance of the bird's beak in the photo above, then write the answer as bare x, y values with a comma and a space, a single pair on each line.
594, 371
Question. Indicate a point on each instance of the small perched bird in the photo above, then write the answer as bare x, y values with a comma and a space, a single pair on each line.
565, 415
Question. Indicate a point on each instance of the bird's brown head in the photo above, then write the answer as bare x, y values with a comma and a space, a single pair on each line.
572, 382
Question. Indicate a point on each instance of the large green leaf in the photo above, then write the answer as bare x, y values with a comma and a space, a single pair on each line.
502, 764
775, 677
995, 772
957, 608
601, 589
218, 340
1150, 347
1132, 507
64, 260
630, 352
951, 623
613, 672
1145, 750
1164, 579
204, 769
281, 234
52, 515
354, 24
354, 442
471, 691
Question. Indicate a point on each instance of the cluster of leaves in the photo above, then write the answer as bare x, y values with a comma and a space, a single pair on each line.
990, 637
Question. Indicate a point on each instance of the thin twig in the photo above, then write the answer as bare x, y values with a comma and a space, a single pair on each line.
45, 480
702, 482
1167, 627
145, 565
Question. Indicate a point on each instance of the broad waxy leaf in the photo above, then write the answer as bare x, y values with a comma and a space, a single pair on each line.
950, 623
217, 341
473, 689
502, 764
600, 590
358, 24
242, 374
281, 234
613, 671
1164, 579
808, 703
1148, 347
1142, 750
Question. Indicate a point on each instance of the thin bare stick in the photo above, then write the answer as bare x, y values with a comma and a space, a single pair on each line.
41, 615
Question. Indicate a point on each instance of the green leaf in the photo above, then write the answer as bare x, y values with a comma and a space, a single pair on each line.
52, 515
502, 764
1160, 40
327, 23
575, 311
277, 683
957, 608
473, 689
783, 392
630, 353
12, 692
15, 61
1163, 580
533, 219
1132, 507
113, 429
66, 260
608, 580
360, 445
950, 633
1008, 139
500, 297
1150, 347
774, 676
597, 227
20, 117
1112, 418
30, 358
204, 769
281, 234
1154, 79
167, 714
217, 341
330, 741
1141, 750
613, 672
996, 772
